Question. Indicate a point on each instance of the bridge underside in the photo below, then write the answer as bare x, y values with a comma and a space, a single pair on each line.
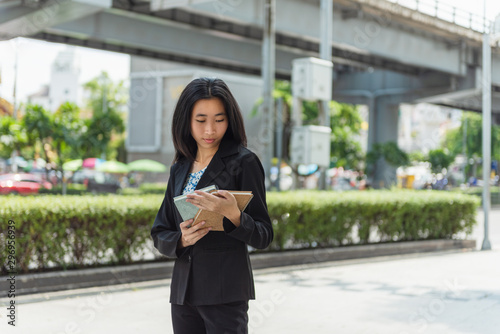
229, 38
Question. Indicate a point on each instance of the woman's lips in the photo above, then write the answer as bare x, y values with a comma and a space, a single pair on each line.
208, 141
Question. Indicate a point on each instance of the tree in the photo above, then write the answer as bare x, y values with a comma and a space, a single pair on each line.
59, 134
345, 122
39, 126
439, 159
106, 101
388, 151
67, 132
472, 127
12, 136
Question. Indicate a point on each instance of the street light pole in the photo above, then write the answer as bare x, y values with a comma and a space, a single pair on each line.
325, 50
268, 68
486, 131
13, 159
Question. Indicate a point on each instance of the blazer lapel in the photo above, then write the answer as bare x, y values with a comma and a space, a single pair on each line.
214, 168
180, 176
217, 165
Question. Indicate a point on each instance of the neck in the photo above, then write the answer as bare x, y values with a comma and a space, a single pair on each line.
203, 156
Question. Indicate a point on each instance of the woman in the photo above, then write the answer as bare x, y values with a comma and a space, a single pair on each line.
212, 279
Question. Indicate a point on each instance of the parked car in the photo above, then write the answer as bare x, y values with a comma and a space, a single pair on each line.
96, 181
22, 183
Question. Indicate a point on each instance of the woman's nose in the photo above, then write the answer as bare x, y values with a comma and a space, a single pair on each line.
209, 128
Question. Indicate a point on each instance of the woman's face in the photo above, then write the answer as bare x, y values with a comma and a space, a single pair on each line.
208, 123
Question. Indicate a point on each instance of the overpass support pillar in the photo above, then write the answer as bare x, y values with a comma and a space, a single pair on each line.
383, 91
383, 128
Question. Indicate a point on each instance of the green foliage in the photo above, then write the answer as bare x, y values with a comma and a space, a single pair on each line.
308, 217
417, 157
77, 231
478, 191
153, 188
473, 126
54, 231
106, 101
59, 132
345, 122
58, 135
71, 189
67, 132
64, 135
146, 188
388, 151
439, 159
13, 136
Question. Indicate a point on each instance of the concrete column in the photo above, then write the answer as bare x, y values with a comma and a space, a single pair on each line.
383, 117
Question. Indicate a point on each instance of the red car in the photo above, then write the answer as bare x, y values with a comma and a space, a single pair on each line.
22, 183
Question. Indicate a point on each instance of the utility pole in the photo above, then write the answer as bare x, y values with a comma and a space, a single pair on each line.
325, 50
486, 131
13, 159
268, 69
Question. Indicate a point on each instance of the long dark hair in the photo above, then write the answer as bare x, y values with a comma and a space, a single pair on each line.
198, 89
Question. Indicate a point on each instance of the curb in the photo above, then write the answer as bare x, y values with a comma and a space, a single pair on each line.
85, 278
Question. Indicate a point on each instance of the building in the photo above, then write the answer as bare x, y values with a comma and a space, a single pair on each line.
63, 85
155, 87
496, 25
423, 127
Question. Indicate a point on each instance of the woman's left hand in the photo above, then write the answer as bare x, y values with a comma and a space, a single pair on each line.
221, 201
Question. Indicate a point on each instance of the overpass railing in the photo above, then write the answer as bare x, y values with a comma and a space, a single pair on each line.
448, 13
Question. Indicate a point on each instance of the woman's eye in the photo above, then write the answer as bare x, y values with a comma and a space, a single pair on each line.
200, 121
220, 120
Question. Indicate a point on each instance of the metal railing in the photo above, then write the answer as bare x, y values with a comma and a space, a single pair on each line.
448, 13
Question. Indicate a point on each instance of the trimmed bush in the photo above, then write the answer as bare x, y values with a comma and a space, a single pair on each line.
75, 231
71, 189
146, 188
310, 218
478, 191
153, 188
54, 231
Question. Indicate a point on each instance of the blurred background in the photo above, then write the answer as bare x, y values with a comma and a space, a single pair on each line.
377, 123
405, 108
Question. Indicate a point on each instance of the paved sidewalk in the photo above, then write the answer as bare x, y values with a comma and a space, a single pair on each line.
430, 293
446, 292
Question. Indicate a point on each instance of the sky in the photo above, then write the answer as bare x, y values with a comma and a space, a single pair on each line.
35, 57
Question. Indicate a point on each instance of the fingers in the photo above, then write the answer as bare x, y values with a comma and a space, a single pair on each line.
203, 200
191, 234
186, 224
194, 199
225, 195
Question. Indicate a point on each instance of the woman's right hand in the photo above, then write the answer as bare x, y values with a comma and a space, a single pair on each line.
191, 234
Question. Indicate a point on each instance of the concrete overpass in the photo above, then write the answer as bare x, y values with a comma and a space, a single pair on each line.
368, 35
384, 53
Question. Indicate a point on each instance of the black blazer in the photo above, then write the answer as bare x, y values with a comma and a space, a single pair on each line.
217, 268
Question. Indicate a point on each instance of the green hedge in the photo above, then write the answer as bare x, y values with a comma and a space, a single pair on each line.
80, 189
310, 218
77, 231
71, 189
146, 188
478, 191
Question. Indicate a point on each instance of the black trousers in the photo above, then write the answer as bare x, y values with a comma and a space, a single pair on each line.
231, 318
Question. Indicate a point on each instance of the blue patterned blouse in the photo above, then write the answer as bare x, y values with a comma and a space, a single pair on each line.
192, 181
